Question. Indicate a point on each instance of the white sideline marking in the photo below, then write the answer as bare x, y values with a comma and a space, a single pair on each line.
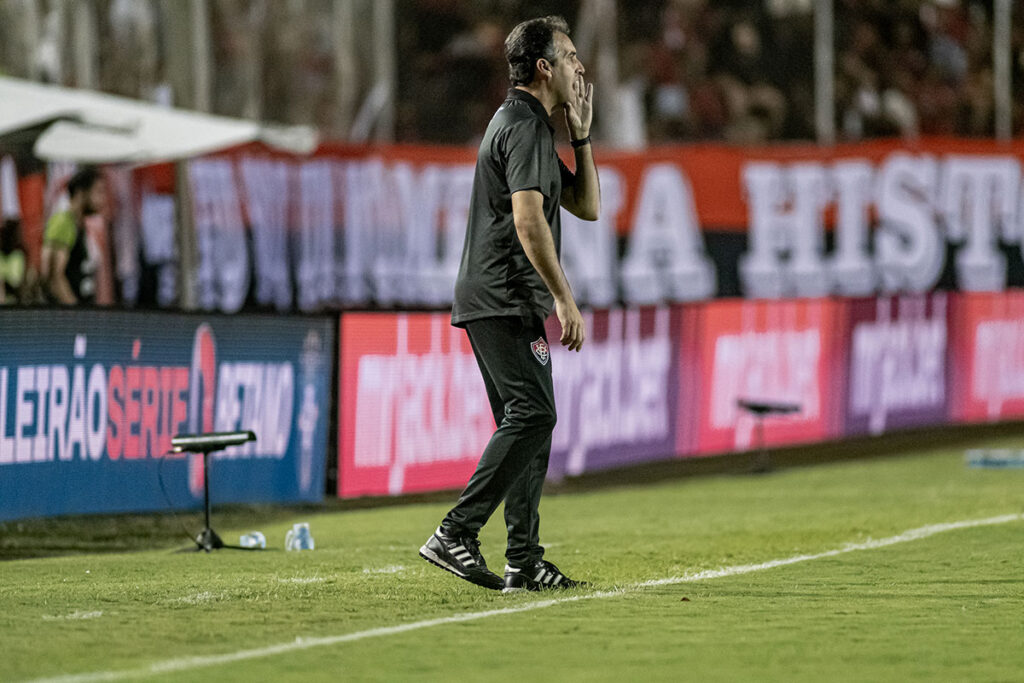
73, 616
187, 663
198, 598
304, 579
391, 569
870, 544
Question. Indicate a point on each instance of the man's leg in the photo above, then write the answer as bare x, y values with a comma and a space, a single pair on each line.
522, 502
519, 370
522, 512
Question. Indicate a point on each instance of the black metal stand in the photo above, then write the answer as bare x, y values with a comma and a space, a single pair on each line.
207, 539
760, 410
205, 444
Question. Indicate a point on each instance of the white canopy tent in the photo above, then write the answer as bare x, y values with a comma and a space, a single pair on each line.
84, 126
92, 127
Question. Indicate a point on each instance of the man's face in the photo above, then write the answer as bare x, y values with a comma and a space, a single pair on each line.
95, 200
566, 69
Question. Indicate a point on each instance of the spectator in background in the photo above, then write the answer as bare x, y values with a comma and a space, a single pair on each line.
12, 255
12, 261
72, 254
757, 107
910, 68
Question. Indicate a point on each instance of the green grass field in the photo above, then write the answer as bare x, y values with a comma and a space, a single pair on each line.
947, 605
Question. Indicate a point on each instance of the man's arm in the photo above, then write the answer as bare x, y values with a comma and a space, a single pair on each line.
55, 261
583, 197
535, 236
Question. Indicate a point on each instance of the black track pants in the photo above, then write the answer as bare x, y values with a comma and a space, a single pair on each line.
516, 365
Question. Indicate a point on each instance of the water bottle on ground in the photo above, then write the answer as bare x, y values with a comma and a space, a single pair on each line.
299, 538
253, 539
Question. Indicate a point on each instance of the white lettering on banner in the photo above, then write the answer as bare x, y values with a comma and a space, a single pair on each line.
313, 363
124, 231
306, 422
404, 228
399, 233
25, 413
417, 197
616, 393
60, 398
786, 250
358, 242
316, 253
42, 390
665, 258
260, 397
908, 247
158, 243
589, 251
392, 230
413, 224
6, 442
416, 409
977, 195
371, 216
899, 364
55, 419
379, 219
851, 271
75, 436
978, 198
438, 266
61, 413
776, 365
96, 412
223, 273
998, 364
267, 186
157, 216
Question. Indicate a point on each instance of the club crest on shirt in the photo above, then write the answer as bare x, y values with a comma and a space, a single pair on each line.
540, 350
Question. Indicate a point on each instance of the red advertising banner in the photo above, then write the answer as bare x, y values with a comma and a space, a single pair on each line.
385, 225
715, 174
616, 399
770, 351
896, 370
413, 413
690, 379
660, 382
987, 356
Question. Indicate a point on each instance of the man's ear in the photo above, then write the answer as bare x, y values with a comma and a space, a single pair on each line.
544, 67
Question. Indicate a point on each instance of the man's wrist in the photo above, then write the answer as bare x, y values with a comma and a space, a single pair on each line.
580, 141
563, 300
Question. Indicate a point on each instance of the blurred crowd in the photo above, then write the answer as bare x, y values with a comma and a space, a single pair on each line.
921, 68
739, 71
734, 71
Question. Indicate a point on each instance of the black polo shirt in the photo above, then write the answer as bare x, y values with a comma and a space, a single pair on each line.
517, 153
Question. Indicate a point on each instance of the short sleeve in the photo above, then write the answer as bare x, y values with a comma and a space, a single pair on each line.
60, 230
529, 152
568, 177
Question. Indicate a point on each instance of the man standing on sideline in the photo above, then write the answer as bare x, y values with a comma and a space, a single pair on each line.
72, 256
509, 278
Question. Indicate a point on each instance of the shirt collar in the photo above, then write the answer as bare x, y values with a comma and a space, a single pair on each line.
535, 105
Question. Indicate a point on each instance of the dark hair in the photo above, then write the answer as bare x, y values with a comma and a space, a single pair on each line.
529, 41
83, 180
